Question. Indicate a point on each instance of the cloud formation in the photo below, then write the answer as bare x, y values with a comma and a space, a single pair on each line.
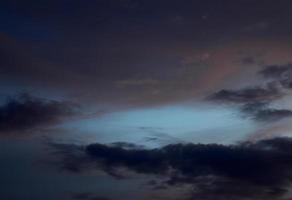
272, 114
242, 171
276, 71
247, 95
260, 111
25, 112
254, 101
280, 73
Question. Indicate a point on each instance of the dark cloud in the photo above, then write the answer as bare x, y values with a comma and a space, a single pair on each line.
25, 112
247, 95
254, 101
260, 111
276, 71
280, 73
272, 114
254, 107
242, 171
127, 145
251, 162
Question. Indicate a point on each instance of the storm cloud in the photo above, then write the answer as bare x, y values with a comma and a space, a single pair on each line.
25, 112
245, 171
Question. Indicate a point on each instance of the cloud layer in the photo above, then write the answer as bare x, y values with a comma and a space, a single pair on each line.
259, 170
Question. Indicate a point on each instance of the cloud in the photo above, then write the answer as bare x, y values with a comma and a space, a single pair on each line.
254, 101
126, 145
242, 171
281, 73
25, 112
260, 111
247, 95
272, 114
276, 71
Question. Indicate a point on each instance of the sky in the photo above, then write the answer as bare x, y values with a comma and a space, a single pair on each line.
145, 99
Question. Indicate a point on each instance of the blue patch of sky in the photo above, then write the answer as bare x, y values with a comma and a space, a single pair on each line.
166, 124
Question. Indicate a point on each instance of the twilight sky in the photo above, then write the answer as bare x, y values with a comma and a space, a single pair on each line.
145, 99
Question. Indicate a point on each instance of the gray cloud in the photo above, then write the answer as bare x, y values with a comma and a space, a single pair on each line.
254, 101
260, 111
247, 95
271, 115
276, 71
280, 73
